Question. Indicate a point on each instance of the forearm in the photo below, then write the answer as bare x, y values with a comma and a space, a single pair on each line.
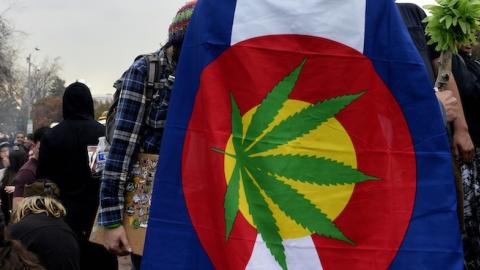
16, 202
460, 123
461, 142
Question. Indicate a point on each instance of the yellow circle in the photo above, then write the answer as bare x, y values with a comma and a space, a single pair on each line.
329, 140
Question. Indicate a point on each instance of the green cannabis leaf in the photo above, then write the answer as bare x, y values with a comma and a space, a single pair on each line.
453, 23
261, 175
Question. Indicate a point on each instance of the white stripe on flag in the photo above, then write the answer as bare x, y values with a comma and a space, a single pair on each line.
301, 255
339, 20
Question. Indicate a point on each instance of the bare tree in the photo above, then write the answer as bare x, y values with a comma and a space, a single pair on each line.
18, 92
10, 83
42, 80
6, 53
58, 87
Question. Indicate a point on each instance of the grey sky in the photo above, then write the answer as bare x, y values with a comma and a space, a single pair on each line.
96, 40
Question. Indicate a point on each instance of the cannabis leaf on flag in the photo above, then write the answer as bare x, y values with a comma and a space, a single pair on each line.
261, 175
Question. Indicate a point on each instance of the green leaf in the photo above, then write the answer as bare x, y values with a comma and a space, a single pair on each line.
302, 122
271, 105
430, 6
237, 126
463, 25
448, 21
295, 206
462, 7
231, 202
452, 3
297, 167
448, 39
308, 169
264, 220
456, 12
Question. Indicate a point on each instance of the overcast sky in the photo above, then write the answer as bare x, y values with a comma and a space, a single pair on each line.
96, 40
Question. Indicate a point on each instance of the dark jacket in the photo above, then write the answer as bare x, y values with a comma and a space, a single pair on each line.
63, 158
50, 239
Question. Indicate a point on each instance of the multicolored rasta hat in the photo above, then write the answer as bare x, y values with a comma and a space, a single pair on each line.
177, 29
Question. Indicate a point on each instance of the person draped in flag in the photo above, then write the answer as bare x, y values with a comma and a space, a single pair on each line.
303, 140
141, 136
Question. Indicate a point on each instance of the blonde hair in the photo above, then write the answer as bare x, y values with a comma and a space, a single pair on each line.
38, 205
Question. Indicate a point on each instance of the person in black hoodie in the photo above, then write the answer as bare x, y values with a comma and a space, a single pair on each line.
63, 158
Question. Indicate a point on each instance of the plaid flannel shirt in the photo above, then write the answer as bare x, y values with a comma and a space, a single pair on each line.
134, 132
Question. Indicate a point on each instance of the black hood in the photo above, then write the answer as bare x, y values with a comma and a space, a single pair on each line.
77, 102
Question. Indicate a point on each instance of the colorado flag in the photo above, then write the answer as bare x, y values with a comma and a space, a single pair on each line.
302, 135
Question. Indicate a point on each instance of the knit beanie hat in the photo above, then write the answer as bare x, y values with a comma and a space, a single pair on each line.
178, 28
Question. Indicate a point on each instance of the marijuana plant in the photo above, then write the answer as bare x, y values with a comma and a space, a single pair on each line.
452, 23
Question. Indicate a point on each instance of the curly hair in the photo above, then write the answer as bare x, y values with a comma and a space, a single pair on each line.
38, 205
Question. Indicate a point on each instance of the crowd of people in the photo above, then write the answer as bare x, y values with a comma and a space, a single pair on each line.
50, 197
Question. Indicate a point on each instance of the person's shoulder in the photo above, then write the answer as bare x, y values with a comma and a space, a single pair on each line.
100, 129
54, 131
140, 64
30, 165
411, 8
94, 125
57, 225
19, 230
33, 222
50, 135
93, 130
26, 167
40, 227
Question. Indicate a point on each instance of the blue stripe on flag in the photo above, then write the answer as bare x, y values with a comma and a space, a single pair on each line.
432, 240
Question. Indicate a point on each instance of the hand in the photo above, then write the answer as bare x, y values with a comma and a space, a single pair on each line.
9, 189
450, 104
463, 146
116, 242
